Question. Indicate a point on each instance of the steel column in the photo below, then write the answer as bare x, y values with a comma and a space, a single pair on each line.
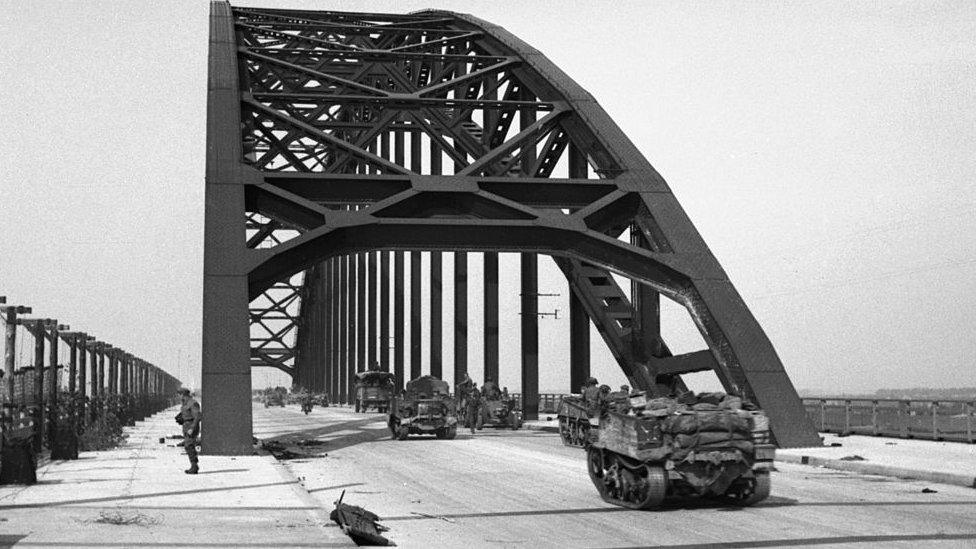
371, 358
352, 287
436, 315
361, 313
226, 370
384, 341
416, 317
399, 318
335, 395
579, 344
327, 323
530, 336
491, 315
460, 315
344, 350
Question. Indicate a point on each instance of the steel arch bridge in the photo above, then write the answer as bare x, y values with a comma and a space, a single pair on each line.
336, 139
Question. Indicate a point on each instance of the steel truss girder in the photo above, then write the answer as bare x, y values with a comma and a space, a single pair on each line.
322, 96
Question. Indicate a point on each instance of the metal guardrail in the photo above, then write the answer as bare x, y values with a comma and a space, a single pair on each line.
952, 420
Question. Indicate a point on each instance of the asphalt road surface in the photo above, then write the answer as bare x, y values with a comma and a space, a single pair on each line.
525, 489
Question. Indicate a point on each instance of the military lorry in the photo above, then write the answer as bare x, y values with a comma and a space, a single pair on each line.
714, 447
424, 408
374, 389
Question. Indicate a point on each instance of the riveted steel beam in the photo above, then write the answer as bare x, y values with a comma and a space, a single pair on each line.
308, 148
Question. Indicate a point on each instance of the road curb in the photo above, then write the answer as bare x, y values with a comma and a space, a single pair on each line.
554, 428
969, 481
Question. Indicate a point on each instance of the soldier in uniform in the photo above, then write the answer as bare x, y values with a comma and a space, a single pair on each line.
190, 417
489, 389
591, 392
473, 405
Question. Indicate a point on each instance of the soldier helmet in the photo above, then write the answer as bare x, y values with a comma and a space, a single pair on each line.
625, 388
183, 391
604, 388
591, 381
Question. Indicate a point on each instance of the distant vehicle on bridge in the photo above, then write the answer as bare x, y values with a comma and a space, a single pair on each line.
274, 397
374, 389
501, 410
709, 446
424, 408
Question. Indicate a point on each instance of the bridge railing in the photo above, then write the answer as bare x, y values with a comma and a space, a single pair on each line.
548, 402
953, 420
946, 419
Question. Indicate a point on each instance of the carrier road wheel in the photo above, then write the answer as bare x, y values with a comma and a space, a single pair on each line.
759, 490
402, 432
595, 467
649, 491
564, 433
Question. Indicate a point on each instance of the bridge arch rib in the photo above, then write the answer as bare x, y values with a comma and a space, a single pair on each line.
333, 134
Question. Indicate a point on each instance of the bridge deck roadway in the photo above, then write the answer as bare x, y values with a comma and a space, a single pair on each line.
493, 489
525, 489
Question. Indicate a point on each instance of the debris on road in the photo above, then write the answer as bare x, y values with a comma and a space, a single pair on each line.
853, 457
929, 491
281, 451
425, 515
360, 525
125, 519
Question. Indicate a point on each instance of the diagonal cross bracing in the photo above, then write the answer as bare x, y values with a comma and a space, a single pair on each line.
438, 131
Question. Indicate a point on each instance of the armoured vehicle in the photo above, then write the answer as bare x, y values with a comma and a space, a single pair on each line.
274, 397
575, 421
374, 389
499, 411
424, 408
714, 447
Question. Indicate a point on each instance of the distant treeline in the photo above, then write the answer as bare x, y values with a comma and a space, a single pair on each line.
915, 393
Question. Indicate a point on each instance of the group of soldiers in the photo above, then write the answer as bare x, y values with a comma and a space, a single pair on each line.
472, 401
599, 396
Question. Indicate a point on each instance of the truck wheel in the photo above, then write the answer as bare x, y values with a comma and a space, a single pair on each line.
451, 432
402, 432
357, 406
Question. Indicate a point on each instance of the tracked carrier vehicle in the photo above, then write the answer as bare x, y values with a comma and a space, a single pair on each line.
714, 447
576, 421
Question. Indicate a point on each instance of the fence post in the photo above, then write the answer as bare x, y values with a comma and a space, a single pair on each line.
969, 422
847, 417
875, 429
935, 420
903, 415
823, 415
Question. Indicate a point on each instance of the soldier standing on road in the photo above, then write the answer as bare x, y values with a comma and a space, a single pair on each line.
473, 404
189, 417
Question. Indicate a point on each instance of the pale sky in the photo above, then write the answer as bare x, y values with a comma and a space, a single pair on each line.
825, 151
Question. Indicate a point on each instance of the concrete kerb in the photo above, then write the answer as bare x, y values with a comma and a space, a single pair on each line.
969, 481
